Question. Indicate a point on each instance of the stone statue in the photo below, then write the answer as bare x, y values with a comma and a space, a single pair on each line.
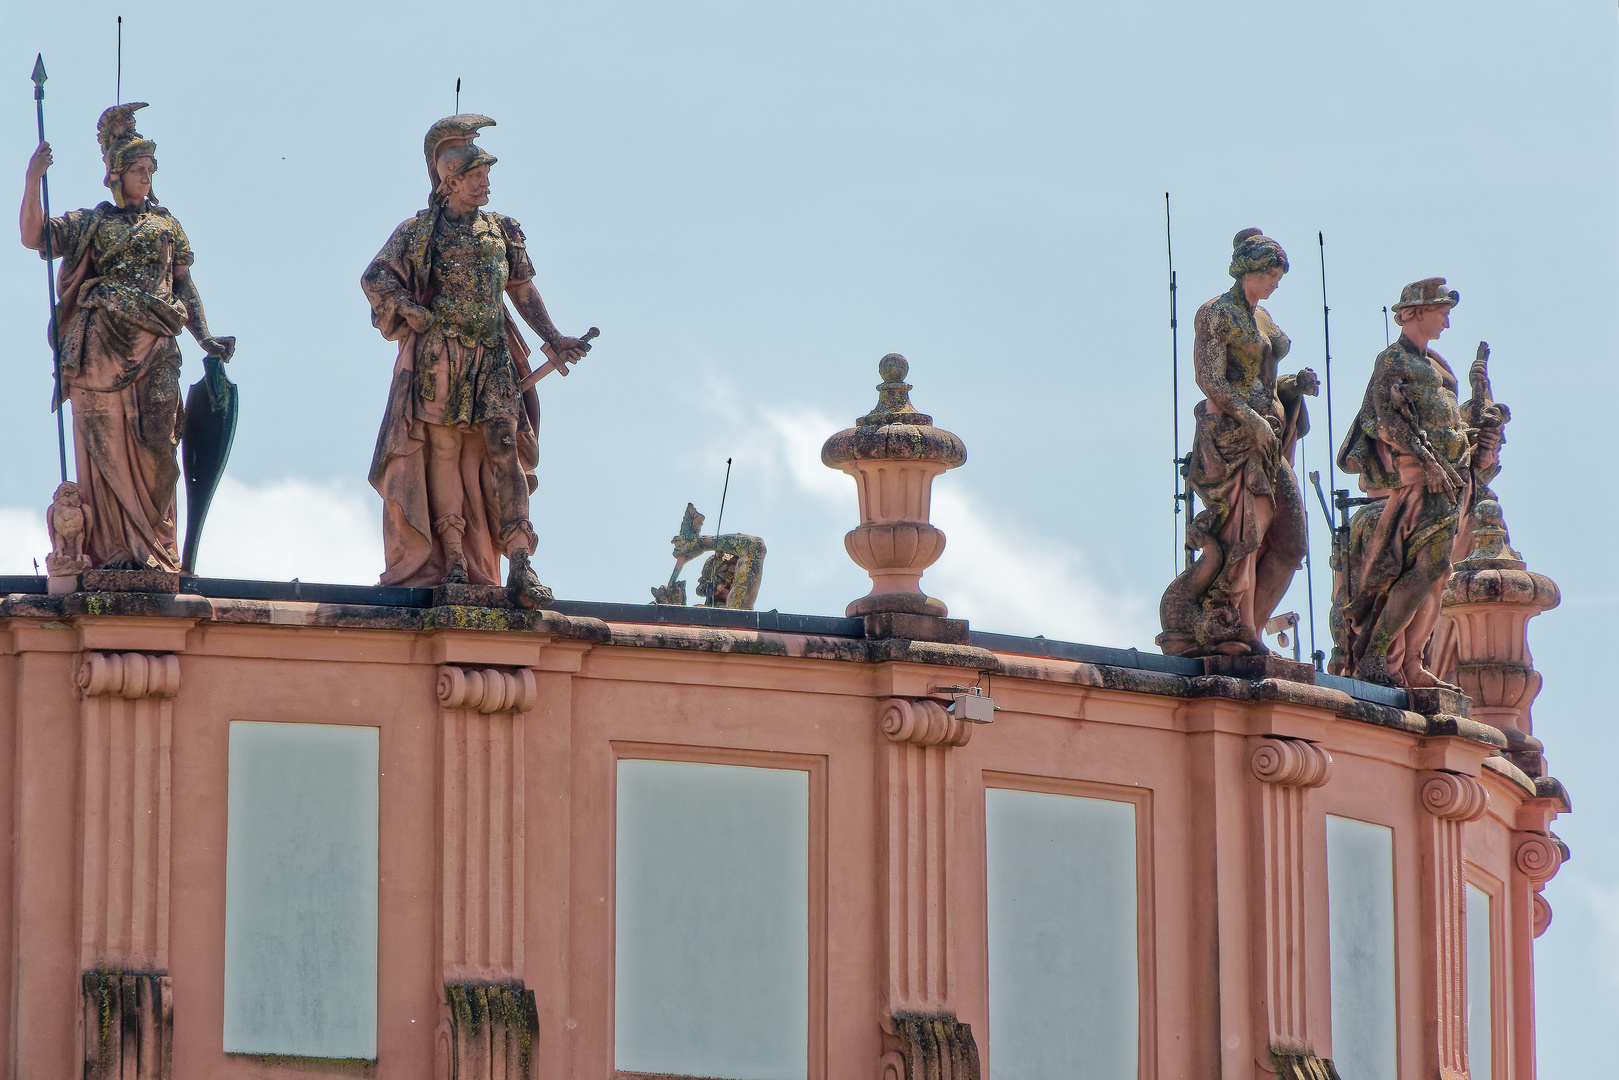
1250, 536
67, 523
456, 455
1424, 462
126, 293
731, 575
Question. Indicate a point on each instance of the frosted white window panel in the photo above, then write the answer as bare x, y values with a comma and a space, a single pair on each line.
1064, 1000
1360, 927
711, 960
1480, 1025
301, 891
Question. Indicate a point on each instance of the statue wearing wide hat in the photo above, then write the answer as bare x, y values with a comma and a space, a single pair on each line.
1421, 463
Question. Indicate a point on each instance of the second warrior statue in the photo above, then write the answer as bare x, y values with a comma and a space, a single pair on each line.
456, 455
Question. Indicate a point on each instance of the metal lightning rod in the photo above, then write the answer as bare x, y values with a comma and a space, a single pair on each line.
458, 97
118, 86
1326, 339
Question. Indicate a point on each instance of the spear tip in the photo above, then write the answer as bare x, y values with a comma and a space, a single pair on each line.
39, 69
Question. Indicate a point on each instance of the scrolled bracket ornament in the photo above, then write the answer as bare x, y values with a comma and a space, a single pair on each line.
922, 723
130, 675
1454, 797
1291, 763
1537, 858
486, 690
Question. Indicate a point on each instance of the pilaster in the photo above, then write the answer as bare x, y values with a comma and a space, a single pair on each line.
1452, 800
127, 720
489, 1015
1286, 770
923, 1039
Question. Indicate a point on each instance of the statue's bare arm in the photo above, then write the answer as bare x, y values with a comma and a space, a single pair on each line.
185, 291
32, 219
526, 299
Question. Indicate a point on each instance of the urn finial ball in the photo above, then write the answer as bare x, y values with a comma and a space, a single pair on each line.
893, 368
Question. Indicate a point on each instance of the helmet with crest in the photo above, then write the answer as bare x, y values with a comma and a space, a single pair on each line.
122, 145
449, 132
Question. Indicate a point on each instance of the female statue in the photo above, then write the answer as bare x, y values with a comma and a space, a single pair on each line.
126, 293
1250, 536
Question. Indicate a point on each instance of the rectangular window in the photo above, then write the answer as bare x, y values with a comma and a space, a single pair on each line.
1360, 927
1479, 1025
1064, 1000
301, 891
711, 957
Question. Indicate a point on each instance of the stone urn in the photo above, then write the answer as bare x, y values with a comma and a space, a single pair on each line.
893, 453
1482, 641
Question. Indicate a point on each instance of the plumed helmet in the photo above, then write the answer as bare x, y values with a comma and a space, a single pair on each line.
1252, 251
121, 144
449, 132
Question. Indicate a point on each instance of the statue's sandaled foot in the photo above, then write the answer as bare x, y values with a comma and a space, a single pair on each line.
1375, 669
1427, 678
525, 586
458, 569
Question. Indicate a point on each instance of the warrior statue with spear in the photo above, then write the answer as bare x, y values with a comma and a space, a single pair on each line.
126, 292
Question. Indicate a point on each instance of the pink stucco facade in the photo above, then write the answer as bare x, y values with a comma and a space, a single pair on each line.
499, 736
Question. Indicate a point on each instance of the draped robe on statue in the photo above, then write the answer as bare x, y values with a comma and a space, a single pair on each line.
462, 372
118, 320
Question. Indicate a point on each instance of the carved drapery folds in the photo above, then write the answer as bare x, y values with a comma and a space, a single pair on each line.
487, 1026
1286, 769
126, 724
1452, 800
924, 1040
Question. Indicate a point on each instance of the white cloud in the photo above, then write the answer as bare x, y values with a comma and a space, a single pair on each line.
293, 528
996, 573
329, 532
1010, 580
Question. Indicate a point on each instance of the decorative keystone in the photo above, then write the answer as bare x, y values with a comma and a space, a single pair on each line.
893, 454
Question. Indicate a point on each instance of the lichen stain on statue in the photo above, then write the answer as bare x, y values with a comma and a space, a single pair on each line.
731, 575
1250, 535
456, 455
1427, 462
126, 292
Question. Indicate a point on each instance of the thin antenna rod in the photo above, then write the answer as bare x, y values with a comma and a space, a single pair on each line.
1309, 569
1326, 340
118, 94
724, 492
1387, 341
458, 97
1182, 494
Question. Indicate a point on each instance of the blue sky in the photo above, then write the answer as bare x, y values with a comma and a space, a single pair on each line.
757, 201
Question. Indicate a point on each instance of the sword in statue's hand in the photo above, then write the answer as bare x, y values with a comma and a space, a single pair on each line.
555, 362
